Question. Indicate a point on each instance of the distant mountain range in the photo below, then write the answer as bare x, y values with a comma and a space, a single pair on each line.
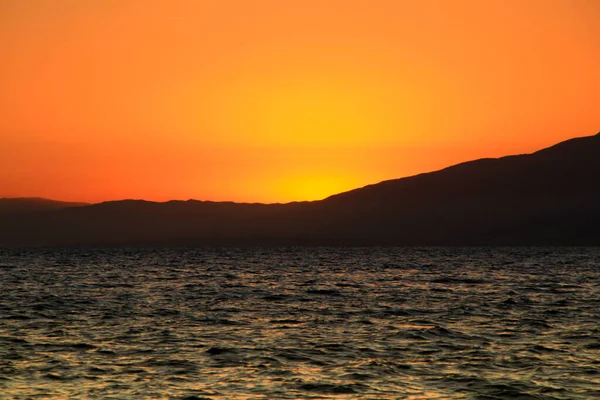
550, 197
33, 204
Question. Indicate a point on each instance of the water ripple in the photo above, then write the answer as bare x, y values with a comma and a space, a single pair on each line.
368, 323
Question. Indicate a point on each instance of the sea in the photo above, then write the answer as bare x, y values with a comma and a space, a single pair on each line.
300, 323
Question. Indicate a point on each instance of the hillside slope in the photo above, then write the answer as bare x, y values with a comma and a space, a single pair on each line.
550, 197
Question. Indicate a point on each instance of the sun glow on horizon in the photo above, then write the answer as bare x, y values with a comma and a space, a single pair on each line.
317, 187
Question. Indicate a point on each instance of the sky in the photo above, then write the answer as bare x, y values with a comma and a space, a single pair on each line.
278, 101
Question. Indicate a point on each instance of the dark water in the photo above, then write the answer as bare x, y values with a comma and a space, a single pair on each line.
520, 323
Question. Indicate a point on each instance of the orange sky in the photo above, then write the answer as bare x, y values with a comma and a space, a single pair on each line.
274, 101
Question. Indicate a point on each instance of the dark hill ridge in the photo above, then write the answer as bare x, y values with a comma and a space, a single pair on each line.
33, 204
550, 197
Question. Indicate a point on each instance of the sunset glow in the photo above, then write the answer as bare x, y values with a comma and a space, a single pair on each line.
277, 101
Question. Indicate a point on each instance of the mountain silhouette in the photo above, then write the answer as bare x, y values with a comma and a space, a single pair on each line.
33, 204
550, 197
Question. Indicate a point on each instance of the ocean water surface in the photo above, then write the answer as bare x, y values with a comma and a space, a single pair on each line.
300, 323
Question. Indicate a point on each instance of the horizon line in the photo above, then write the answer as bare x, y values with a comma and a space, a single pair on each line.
85, 203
